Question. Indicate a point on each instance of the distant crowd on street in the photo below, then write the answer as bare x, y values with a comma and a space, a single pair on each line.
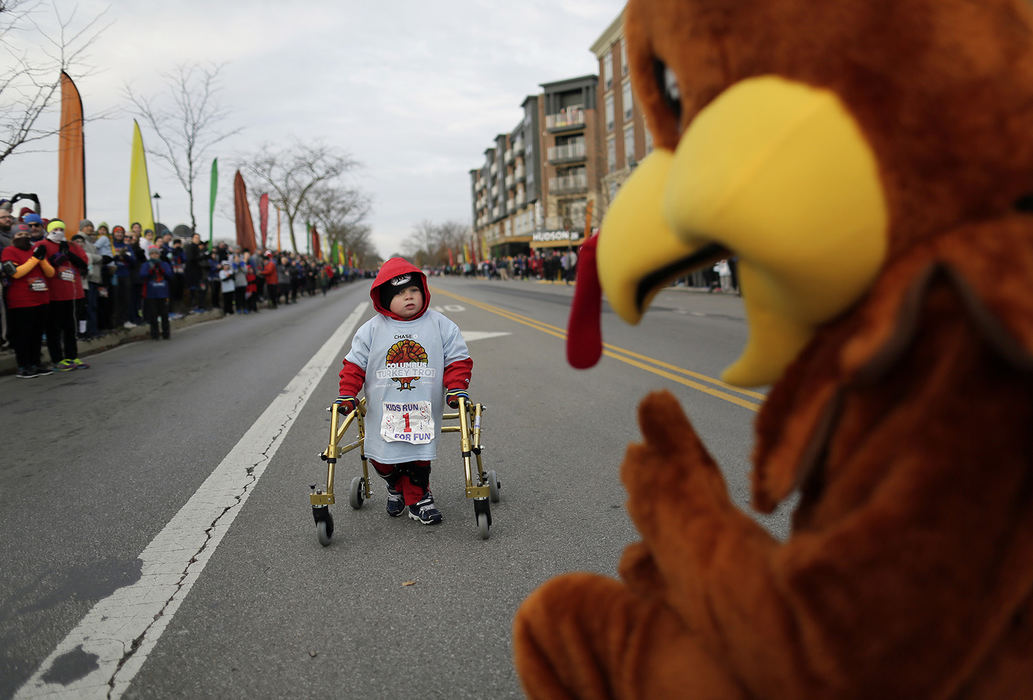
560, 265
68, 285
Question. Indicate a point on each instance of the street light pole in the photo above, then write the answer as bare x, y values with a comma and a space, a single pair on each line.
157, 212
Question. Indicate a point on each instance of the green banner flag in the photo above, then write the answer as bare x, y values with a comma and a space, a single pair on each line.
211, 200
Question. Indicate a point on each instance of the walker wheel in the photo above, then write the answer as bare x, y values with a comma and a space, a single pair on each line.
482, 525
493, 485
325, 530
355, 492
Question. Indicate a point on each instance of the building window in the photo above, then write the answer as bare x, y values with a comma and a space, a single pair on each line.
626, 100
629, 145
624, 57
611, 155
649, 142
609, 113
608, 70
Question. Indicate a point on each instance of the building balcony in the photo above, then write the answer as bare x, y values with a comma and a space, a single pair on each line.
494, 168
520, 199
511, 204
509, 156
567, 184
496, 211
567, 153
520, 173
510, 182
568, 118
518, 146
494, 190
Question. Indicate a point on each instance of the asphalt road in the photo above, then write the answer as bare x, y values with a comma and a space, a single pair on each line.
102, 468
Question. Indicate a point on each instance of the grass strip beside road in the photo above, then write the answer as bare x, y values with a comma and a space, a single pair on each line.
746, 398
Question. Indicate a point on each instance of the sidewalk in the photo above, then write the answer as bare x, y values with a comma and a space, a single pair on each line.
113, 339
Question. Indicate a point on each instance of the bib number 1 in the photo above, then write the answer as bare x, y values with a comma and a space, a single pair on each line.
410, 421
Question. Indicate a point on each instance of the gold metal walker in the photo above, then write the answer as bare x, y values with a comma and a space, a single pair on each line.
482, 486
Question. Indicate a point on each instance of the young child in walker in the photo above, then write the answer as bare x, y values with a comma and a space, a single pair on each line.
410, 360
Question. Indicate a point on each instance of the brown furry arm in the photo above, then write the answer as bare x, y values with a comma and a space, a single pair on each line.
914, 541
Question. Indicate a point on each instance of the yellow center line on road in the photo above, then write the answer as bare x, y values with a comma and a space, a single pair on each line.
658, 367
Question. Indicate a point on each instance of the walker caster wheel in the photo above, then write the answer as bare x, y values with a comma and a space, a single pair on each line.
494, 485
355, 492
483, 526
325, 530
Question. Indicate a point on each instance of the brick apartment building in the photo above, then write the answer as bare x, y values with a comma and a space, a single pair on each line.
578, 141
533, 188
622, 125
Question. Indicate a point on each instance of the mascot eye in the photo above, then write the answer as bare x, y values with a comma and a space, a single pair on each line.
667, 81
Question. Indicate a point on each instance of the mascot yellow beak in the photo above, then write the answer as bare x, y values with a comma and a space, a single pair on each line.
776, 173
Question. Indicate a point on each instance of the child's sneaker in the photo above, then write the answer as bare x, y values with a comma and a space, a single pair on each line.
79, 364
395, 502
65, 365
425, 511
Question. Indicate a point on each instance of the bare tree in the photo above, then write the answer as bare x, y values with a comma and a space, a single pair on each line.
341, 212
31, 84
188, 128
429, 243
292, 173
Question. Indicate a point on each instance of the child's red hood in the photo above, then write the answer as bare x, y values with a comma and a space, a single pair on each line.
390, 269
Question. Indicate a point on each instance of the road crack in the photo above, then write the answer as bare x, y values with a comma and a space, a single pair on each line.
250, 480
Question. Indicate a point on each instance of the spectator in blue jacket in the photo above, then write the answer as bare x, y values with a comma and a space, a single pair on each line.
156, 275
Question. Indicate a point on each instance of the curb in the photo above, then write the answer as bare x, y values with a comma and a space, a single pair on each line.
114, 338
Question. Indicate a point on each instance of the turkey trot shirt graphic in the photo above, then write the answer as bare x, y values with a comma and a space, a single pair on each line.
406, 362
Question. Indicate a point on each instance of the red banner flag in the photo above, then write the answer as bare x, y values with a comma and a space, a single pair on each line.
71, 157
263, 217
451, 258
315, 244
242, 215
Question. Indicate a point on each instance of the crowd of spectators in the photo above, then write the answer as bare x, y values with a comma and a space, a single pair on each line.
560, 265
64, 286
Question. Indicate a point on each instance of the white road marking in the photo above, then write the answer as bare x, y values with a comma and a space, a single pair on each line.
121, 630
470, 336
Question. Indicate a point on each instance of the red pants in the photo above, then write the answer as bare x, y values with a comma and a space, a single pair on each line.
411, 478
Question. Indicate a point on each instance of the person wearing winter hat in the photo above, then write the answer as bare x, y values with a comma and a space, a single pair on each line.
89, 308
35, 224
227, 286
155, 275
70, 263
405, 358
121, 282
27, 273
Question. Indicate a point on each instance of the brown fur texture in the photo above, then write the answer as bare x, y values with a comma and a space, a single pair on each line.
906, 424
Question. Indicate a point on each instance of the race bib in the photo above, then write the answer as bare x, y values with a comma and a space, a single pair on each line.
38, 285
68, 275
410, 421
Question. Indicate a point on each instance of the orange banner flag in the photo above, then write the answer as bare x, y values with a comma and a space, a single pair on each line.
71, 158
242, 215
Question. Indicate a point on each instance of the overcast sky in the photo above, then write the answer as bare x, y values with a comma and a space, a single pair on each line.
414, 90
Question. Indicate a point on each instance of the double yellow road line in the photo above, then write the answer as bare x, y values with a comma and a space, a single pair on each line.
750, 400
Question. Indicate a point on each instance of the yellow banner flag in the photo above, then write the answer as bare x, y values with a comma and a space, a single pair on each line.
139, 185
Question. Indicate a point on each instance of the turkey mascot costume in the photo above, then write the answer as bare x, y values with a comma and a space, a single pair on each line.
870, 164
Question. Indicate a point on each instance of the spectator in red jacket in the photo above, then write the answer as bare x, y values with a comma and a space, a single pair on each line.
272, 280
69, 263
27, 273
